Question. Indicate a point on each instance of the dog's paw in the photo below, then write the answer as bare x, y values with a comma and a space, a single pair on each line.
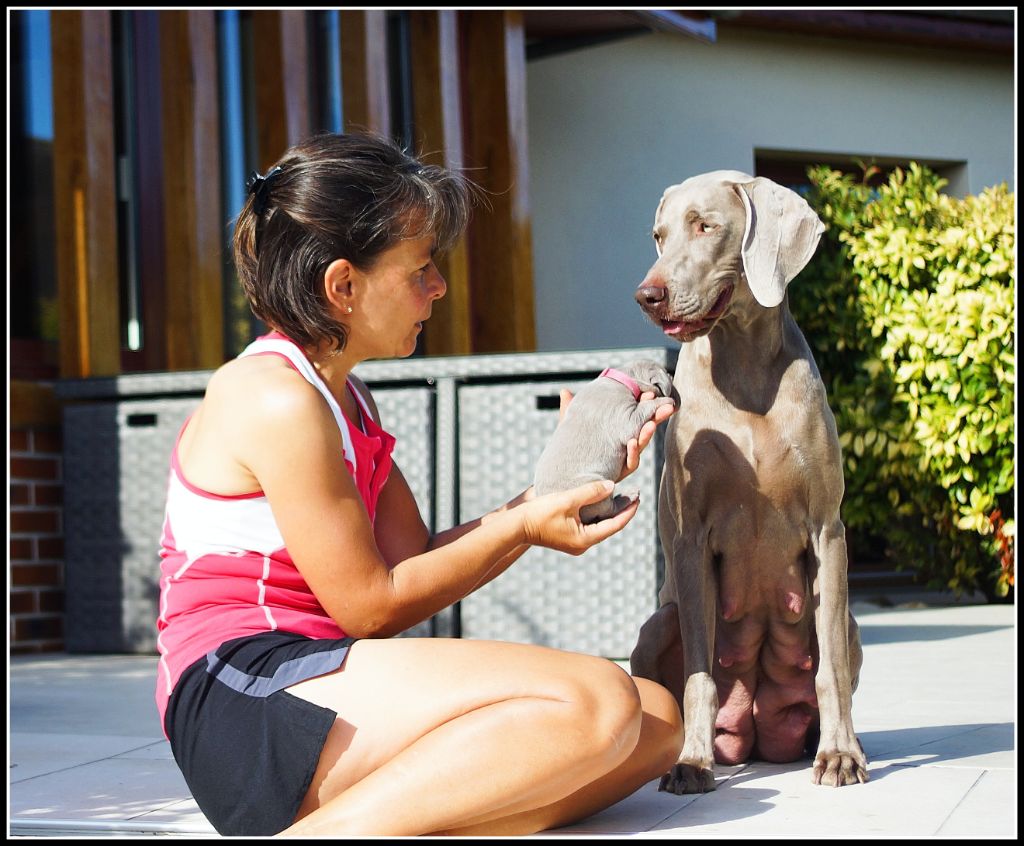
836, 769
688, 778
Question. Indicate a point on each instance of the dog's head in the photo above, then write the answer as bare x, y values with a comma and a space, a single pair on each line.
726, 242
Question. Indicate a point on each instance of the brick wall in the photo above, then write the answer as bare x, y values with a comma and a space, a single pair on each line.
36, 576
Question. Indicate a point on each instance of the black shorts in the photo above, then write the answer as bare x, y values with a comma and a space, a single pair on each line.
248, 748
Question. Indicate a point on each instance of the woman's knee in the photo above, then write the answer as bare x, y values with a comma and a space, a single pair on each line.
608, 703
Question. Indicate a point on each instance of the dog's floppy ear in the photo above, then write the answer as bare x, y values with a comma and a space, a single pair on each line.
657, 214
780, 237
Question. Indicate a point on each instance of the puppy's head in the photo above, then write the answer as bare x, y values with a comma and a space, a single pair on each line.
727, 242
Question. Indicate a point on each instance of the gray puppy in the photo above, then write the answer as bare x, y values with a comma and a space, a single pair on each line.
590, 441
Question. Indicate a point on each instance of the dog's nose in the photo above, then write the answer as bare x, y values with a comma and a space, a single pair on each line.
648, 294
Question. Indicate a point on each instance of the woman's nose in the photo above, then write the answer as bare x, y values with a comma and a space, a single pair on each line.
438, 287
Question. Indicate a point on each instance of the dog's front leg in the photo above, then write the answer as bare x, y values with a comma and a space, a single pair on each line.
697, 601
840, 760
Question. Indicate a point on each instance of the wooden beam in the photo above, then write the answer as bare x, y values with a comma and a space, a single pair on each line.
282, 60
437, 119
501, 260
365, 81
85, 194
193, 225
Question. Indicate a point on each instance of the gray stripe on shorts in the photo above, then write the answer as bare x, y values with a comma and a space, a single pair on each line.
289, 673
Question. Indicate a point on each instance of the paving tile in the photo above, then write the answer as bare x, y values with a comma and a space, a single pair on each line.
988, 810
183, 816
642, 811
161, 750
936, 711
34, 754
974, 746
87, 694
114, 789
772, 801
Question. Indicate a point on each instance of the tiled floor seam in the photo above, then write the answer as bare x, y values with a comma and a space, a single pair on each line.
84, 763
949, 816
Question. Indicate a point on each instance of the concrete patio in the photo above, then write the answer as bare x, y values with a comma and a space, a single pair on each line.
936, 712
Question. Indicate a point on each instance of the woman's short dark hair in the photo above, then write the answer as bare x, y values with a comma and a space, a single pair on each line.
337, 196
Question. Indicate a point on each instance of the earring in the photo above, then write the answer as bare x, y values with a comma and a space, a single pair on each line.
348, 309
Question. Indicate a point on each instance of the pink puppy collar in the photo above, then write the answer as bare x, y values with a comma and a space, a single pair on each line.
622, 378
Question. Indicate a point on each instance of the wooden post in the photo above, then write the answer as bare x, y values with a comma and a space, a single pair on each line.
437, 120
85, 194
281, 61
500, 249
192, 219
365, 92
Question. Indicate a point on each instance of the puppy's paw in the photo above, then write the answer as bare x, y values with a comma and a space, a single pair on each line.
651, 376
836, 769
686, 778
625, 498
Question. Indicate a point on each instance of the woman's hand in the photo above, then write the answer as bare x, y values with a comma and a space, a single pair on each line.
636, 445
553, 520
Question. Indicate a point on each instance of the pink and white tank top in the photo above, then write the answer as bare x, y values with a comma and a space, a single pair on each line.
225, 571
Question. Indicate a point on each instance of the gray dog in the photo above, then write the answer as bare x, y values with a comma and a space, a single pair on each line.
590, 441
754, 634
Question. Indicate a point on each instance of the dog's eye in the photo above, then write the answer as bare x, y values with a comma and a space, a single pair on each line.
706, 227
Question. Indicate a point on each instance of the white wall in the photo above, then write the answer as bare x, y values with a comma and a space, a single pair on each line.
611, 126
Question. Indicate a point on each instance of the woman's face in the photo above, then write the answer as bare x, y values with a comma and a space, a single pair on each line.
396, 296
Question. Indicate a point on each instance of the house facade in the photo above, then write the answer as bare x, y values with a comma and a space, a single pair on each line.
612, 125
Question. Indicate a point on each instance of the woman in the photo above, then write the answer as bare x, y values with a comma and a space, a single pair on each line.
293, 549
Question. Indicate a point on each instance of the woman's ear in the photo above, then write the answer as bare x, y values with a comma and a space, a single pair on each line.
338, 285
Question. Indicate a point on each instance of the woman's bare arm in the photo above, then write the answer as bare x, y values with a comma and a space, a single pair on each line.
293, 447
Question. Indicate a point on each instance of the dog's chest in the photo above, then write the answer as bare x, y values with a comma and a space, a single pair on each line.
741, 459
743, 486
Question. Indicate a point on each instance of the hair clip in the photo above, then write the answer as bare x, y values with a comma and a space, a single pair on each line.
257, 184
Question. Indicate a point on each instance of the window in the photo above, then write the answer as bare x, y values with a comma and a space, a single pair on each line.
138, 152
400, 77
32, 272
126, 155
790, 168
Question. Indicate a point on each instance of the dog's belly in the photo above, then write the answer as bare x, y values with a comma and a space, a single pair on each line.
764, 672
765, 655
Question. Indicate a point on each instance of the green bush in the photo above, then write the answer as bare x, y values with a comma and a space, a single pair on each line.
909, 307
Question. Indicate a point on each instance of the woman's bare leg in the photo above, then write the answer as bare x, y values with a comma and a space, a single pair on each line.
434, 734
661, 738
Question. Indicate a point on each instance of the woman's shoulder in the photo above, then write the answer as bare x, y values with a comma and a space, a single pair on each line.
266, 386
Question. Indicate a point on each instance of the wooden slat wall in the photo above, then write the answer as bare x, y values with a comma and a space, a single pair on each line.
438, 137
85, 194
501, 262
469, 98
192, 219
282, 60
365, 94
